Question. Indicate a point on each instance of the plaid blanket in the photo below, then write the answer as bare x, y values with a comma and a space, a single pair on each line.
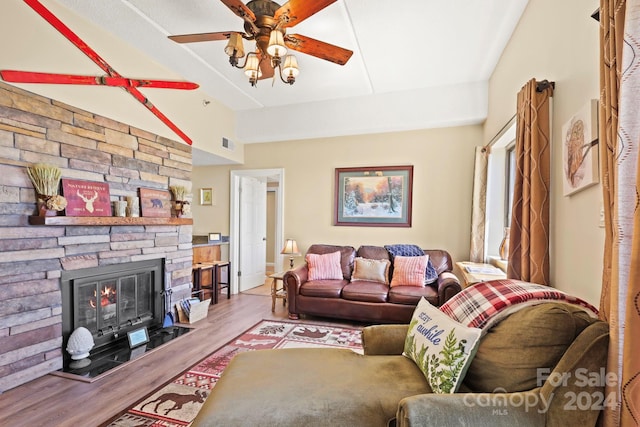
486, 303
431, 275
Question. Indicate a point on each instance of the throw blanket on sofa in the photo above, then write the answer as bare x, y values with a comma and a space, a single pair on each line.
431, 274
486, 303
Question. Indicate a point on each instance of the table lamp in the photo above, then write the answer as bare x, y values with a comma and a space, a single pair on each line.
291, 249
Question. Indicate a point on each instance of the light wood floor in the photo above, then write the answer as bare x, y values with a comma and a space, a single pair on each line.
55, 401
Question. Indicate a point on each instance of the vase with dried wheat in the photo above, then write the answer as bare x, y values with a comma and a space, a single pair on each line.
181, 203
46, 181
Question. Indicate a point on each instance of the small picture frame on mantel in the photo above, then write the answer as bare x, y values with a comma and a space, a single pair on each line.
206, 196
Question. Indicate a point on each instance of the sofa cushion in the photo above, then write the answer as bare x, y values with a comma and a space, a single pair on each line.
441, 347
347, 254
372, 252
366, 291
372, 270
512, 351
325, 266
410, 295
409, 270
323, 288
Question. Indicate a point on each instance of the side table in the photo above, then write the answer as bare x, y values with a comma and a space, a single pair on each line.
277, 292
475, 272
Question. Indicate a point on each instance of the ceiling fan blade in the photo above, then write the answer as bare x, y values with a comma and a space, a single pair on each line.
318, 49
52, 78
240, 9
265, 67
295, 11
202, 37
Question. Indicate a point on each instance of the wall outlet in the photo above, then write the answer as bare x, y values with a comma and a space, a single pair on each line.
601, 220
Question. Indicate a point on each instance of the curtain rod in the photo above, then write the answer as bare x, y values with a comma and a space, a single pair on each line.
542, 85
499, 134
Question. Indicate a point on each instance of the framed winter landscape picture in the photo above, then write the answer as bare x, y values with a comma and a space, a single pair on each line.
374, 196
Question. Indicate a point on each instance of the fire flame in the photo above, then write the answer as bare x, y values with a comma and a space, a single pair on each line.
107, 296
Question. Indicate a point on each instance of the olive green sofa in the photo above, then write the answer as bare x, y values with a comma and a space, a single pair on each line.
531, 369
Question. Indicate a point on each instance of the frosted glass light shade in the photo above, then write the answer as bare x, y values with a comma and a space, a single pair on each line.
290, 67
235, 43
252, 67
276, 44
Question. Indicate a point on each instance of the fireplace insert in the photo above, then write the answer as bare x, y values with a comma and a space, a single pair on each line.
112, 300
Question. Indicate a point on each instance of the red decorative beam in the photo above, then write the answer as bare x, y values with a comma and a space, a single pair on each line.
113, 78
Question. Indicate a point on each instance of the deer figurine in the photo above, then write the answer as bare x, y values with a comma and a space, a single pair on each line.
88, 202
177, 399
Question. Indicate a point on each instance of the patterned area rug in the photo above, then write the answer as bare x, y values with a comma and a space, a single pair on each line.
177, 403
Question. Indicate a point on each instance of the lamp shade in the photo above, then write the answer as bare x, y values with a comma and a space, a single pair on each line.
235, 45
290, 248
276, 45
251, 68
290, 67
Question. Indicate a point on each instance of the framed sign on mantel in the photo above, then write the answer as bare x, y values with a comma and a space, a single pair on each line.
155, 203
86, 198
378, 196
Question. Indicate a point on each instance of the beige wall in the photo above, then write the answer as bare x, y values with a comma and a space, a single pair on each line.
442, 159
215, 217
558, 40
554, 40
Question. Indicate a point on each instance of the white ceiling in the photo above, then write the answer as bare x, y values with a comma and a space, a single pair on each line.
416, 63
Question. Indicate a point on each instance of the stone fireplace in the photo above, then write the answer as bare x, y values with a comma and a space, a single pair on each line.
112, 300
36, 259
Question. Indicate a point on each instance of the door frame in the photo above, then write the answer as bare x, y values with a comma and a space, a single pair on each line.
234, 216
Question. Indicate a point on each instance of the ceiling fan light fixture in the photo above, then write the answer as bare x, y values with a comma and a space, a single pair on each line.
235, 47
276, 47
252, 68
290, 69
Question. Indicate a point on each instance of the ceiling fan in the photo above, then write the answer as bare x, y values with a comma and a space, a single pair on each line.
266, 22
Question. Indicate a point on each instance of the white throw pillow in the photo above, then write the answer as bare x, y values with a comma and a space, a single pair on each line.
441, 347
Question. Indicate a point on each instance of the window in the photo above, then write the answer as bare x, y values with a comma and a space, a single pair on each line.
510, 176
500, 185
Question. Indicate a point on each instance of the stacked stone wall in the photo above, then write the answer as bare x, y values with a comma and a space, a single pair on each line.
34, 129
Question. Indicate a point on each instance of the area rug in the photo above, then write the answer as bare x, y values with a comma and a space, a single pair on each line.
178, 402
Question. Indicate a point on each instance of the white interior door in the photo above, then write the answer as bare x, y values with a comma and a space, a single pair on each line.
253, 232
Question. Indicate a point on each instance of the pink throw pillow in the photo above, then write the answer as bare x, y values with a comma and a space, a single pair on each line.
325, 266
409, 270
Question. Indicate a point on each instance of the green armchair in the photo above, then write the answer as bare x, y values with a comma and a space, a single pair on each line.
541, 366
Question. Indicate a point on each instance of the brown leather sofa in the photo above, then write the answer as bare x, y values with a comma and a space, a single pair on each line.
365, 301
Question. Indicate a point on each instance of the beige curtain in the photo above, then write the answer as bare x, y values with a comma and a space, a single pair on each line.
619, 146
479, 205
529, 238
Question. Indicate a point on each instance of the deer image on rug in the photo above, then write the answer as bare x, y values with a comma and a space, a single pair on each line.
178, 400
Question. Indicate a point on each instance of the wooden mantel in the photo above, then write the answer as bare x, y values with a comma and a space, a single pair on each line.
106, 220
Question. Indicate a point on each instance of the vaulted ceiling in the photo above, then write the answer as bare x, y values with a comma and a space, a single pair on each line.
416, 63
